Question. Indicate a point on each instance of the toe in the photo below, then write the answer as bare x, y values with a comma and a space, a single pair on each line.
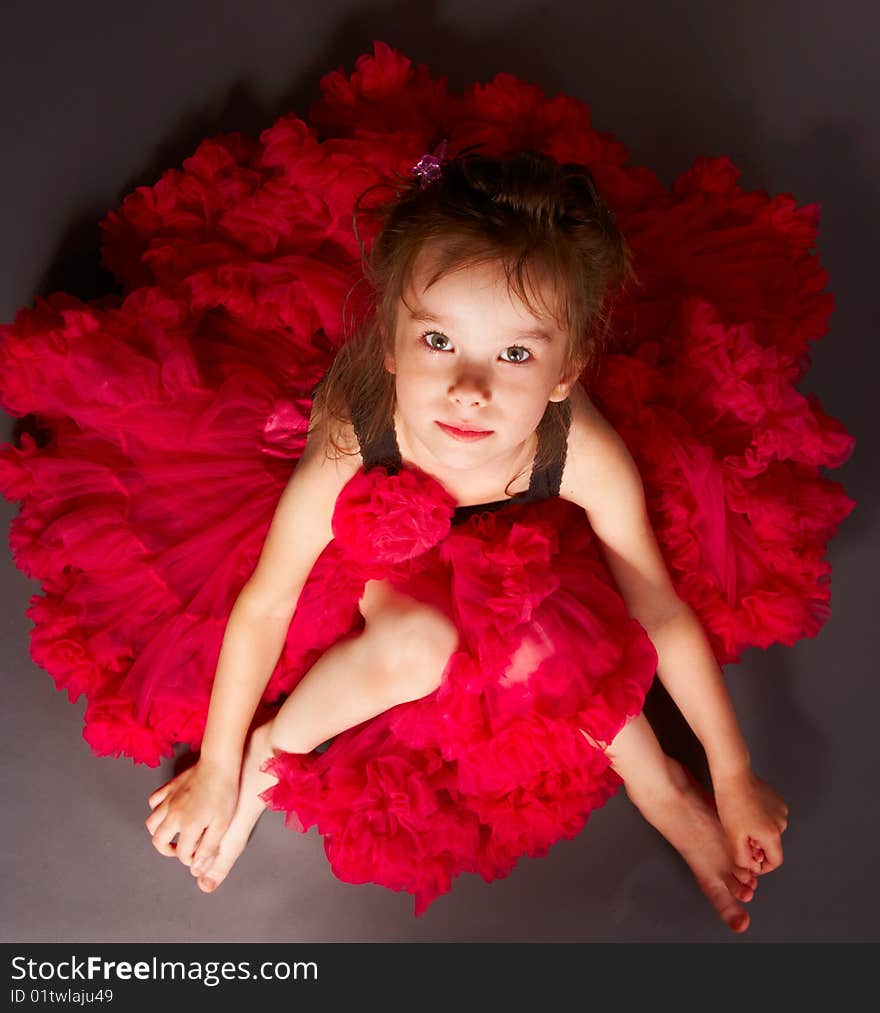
726, 905
219, 869
202, 864
210, 880
742, 891
745, 876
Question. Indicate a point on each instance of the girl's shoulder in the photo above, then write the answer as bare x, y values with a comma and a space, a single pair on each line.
302, 524
335, 439
594, 447
330, 458
601, 476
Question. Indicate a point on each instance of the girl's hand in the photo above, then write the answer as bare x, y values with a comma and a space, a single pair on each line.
754, 816
197, 805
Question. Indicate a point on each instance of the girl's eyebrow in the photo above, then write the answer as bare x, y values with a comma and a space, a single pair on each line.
535, 334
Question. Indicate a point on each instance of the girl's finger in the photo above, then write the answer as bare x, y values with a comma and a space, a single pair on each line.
163, 837
154, 820
743, 855
160, 793
187, 843
772, 856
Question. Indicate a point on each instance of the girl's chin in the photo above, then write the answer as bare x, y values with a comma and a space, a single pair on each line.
471, 462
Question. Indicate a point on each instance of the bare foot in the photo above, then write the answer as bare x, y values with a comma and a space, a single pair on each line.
250, 807
688, 820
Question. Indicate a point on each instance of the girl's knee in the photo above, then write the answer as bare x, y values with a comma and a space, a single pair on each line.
413, 652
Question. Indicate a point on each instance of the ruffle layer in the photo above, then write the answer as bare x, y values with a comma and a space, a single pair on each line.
164, 424
146, 492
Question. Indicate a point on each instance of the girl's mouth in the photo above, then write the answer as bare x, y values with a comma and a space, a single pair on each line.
466, 436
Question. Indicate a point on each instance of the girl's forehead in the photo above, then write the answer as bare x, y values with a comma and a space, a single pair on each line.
538, 296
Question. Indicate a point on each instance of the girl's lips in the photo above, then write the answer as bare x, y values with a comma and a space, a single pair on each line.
465, 435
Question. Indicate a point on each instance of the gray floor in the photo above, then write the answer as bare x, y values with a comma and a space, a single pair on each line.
101, 97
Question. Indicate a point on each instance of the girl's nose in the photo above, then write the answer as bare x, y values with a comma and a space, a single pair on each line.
469, 388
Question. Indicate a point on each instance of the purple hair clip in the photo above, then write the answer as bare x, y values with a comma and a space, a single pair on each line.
429, 167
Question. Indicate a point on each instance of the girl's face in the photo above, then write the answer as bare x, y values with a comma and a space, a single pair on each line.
469, 355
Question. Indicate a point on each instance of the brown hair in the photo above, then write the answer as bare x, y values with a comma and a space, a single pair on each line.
522, 211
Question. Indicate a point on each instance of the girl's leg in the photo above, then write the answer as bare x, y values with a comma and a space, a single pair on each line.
400, 655
673, 803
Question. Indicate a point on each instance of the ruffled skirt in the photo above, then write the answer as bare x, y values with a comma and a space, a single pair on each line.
494, 764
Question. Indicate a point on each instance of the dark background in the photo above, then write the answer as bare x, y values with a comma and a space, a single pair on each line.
98, 97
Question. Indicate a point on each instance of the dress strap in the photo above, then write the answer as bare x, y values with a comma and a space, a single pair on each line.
552, 474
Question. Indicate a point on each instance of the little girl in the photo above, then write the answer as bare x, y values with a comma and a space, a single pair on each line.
433, 560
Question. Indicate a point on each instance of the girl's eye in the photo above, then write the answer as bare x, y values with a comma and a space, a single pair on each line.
428, 335
440, 342
522, 354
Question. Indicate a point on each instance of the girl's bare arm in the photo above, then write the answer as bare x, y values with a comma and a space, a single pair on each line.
201, 800
258, 624
601, 476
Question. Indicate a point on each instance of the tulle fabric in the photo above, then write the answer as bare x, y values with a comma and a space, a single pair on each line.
163, 424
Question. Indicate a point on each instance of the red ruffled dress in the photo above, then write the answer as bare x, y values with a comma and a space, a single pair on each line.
165, 423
